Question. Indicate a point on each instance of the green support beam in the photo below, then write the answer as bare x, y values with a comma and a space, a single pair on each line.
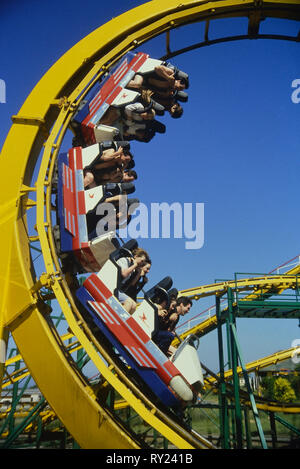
224, 423
251, 396
236, 385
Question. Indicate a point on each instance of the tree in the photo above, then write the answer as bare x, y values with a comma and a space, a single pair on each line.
267, 384
283, 391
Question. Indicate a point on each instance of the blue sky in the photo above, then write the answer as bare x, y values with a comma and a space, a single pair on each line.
236, 148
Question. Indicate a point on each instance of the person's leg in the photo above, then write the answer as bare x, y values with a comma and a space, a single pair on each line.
130, 305
136, 82
163, 339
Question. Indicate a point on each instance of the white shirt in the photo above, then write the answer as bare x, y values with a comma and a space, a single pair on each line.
130, 111
125, 263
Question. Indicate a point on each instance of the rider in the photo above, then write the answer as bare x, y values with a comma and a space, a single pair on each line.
167, 324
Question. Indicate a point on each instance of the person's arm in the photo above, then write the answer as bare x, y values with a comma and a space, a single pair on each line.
114, 198
89, 180
130, 109
136, 82
172, 322
125, 271
166, 73
160, 311
109, 158
110, 116
135, 278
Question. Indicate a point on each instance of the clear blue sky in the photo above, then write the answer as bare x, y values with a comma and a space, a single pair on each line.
236, 149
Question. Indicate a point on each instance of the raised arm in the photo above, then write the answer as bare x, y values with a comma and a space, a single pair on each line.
166, 73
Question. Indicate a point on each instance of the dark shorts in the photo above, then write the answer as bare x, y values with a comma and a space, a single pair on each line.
163, 340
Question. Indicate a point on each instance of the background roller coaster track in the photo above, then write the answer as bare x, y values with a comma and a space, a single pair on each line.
263, 286
40, 126
269, 283
210, 382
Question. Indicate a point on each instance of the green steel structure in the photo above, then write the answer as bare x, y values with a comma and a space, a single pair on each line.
234, 403
262, 305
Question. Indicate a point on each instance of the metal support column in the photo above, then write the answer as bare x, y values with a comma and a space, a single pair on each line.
273, 430
251, 396
224, 423
236, 383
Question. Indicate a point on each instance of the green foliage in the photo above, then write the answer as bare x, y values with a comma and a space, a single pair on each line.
267, 384
295, 383
283, 391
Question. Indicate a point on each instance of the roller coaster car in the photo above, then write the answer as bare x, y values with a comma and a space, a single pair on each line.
73, 205
112, 92
98, 297
150, 64
146, 314
109, 92
185, 358
187, 361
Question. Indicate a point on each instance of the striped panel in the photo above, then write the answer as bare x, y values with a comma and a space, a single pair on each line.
98, 114
97, 288
141, 58
146, 358
81, 203
69, 200
79, 158
71, 158
80, 216
111, 320
75, 158
82, 232
108, 92
126, 79
150, 349
114, 94
121, 71
140, 357
128, 331
104, 314
96, 100
74, 199
99, 99
137, 329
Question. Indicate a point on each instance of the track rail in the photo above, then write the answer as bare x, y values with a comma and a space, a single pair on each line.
264, 284
34, 139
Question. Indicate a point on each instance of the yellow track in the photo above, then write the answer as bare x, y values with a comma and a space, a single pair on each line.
261, 363
38, 130
256, 365
275, 283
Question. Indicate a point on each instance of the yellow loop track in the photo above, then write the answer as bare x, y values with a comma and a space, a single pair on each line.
35, 139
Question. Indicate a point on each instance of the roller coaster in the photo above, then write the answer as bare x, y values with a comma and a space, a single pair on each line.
80, 272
